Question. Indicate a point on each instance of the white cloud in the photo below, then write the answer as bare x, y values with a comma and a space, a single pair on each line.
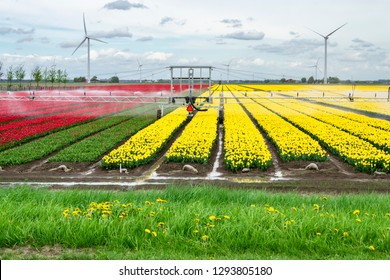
123, 5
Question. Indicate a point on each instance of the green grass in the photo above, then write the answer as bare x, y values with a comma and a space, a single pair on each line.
197, 222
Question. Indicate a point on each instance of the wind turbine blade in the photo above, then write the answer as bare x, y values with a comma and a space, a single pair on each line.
85, 26
316, 32
335, 30
82, 42
97, 40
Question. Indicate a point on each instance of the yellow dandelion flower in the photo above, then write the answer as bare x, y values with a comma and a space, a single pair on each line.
356, 212
152, 214
212, 218
372, 248
358, 220
316, 207
388, 215
345, 234
318, 234
336, 230
161, 224
205, 237
294, 209
159, 200
147, 231
196, 231
154, 233
227, 217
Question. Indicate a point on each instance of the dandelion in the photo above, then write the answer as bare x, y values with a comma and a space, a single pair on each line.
197, 220
372, 248
212, 218
154, 233
152, 214
147, 231
388, 215
161, 224
196, 231
148, 203
356, 212
227, 217
345, 234
318, 234
316, 207
205, 237
358, 220
336, 230
159, 200
294, 209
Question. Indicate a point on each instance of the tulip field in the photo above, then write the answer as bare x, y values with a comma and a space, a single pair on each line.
262, 125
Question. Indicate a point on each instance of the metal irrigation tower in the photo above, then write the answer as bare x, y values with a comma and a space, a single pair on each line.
190, 74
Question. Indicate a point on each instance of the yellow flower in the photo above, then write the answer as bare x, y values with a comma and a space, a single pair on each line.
358, 220
318, 234
356, 212
212, 218
372, 248
159, 200
316, 207
161, 224
227, 217
147, 231
205, 237
345, 234
154, 233
196, 231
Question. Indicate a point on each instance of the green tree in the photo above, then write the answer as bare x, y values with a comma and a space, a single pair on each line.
59, 77
94, 79
20, 73
37, 74
52, 76
310, 80
1, 70
10, 75
114, 79
304, 80
64, 77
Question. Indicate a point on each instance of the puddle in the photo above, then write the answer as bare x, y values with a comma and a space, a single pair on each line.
214, 174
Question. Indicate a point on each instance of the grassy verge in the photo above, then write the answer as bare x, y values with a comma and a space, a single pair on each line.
201, 222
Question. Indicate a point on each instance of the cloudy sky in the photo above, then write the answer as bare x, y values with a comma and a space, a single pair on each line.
258, 39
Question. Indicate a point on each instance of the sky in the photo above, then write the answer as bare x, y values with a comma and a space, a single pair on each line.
245, 39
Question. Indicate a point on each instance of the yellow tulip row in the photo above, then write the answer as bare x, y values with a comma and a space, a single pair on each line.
291, 143
368, 106
244, 147
144, 145
376, 136
360, 153
374, 122
197, 140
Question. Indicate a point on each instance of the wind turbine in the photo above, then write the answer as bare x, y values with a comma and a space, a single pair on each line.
326, 50
87, 38
316, 67
140, 71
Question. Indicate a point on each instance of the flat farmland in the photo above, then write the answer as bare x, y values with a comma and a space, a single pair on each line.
269, 135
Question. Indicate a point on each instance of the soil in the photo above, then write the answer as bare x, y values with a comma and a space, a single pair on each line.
333, 176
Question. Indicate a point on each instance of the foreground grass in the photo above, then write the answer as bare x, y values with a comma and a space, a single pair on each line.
201, 222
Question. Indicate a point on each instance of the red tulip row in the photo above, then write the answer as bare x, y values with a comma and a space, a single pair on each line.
13, 132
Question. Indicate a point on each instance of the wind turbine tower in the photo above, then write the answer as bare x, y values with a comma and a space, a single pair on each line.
326, 50
87, 38
140, 71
